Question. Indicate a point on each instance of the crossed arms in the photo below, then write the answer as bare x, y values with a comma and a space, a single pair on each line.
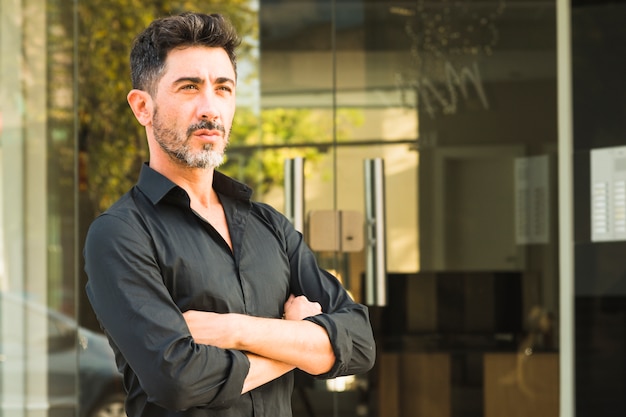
273, 346
207, 359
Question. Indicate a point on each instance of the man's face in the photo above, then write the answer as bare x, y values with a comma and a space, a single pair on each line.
194, 106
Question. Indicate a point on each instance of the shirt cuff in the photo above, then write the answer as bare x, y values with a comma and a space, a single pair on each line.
341, 342
233, 385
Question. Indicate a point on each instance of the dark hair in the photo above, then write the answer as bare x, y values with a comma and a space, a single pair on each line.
150, 48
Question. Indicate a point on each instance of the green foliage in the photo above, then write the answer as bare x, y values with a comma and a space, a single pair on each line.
260, 145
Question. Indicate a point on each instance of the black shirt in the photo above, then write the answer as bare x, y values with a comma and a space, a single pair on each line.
150, 257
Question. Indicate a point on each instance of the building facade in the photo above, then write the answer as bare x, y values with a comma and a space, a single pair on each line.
471, 152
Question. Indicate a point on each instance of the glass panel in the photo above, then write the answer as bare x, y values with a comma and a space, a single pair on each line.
39, 353
477, 318
68, 359
459, 98
296, 79
13, 330
598, 65
297, 102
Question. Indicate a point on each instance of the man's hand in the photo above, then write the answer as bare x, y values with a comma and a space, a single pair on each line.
299, 308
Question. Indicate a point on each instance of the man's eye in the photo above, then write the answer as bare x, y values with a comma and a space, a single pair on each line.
190, 87
224, 88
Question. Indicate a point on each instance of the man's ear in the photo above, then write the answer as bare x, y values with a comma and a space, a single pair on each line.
141, 104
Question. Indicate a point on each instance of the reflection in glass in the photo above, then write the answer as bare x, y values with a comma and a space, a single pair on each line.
459, 99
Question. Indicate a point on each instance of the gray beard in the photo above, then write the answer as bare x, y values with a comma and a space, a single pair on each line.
207, 158
182, 153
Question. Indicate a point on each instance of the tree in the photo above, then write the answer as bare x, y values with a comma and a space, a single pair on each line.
260, 145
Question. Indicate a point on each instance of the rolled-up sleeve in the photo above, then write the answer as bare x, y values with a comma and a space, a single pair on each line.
346, 322
351, 338
146, 327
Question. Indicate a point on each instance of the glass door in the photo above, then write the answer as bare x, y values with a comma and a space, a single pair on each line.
459, 101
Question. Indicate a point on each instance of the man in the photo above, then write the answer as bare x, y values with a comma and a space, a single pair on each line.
209, 299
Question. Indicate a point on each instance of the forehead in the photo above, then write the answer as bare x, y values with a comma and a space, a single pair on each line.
198, 61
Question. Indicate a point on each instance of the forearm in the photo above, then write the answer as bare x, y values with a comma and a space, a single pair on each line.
302, 344
263, 370
299, 343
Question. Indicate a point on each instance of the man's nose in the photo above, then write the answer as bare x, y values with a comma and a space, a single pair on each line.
207, 106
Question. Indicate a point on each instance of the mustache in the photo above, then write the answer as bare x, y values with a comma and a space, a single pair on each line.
206, 125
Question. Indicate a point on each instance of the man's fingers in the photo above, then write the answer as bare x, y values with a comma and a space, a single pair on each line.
298, 308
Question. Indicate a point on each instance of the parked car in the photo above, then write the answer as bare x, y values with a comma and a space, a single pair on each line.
82, 379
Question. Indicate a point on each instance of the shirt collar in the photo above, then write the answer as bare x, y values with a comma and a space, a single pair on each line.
156, 186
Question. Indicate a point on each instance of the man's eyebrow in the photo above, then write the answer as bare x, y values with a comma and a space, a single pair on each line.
195, 80
224, 80
198, 80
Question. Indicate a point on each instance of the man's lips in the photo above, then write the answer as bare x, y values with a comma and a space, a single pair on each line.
209, 134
